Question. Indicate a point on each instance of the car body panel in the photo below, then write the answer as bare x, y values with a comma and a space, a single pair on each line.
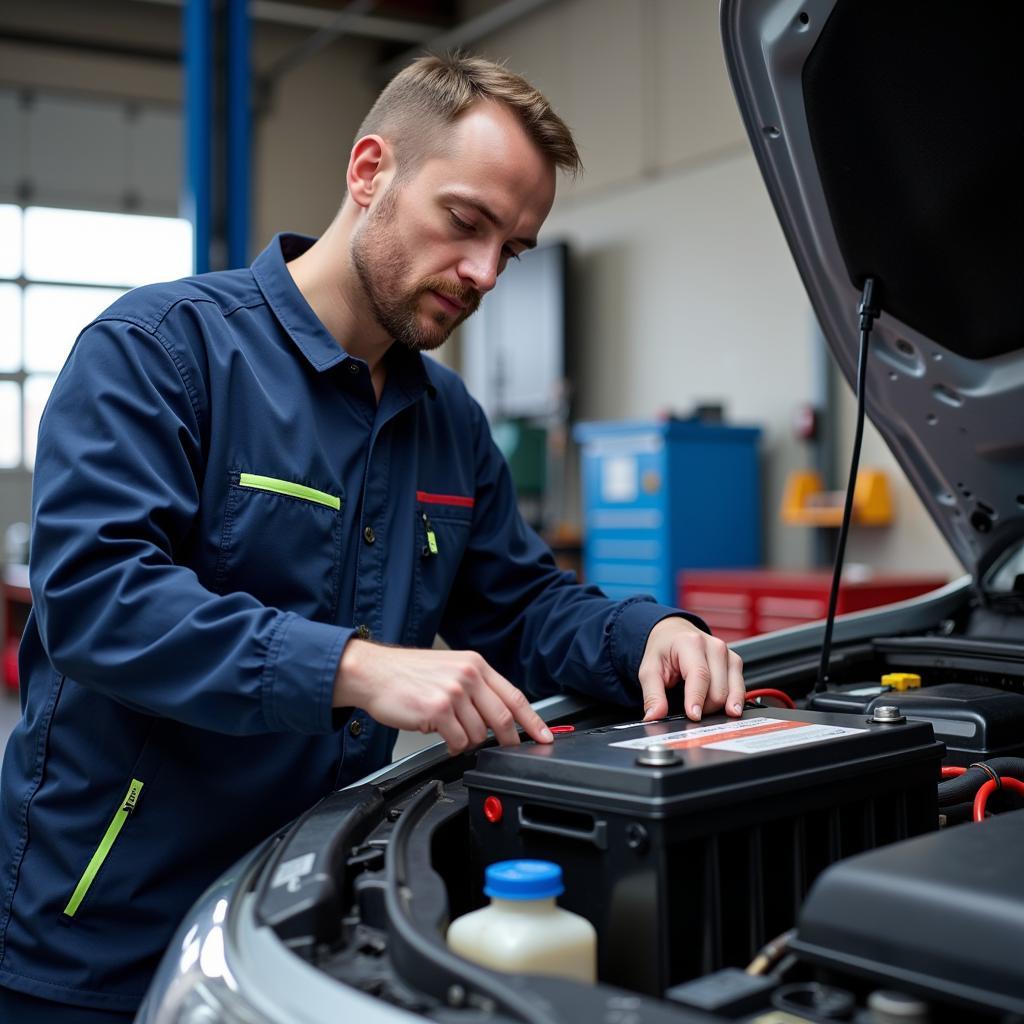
951, 419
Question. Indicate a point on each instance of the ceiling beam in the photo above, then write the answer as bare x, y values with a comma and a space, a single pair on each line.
471, 30
319, 40
367, 26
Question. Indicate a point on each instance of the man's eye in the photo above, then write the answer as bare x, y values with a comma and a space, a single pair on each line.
459, 222
510, 254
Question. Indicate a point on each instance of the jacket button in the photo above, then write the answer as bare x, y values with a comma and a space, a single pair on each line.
353, 367
368, 535
355, 727
363, 632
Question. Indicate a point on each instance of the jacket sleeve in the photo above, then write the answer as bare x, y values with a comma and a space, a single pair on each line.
116, 491
531, 621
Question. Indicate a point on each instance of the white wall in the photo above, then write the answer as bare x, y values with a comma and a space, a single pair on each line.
686, 297
688, 292
303, 137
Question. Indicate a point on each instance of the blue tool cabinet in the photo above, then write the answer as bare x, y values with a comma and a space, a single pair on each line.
663, 496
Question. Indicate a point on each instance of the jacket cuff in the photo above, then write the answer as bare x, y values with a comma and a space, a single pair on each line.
631, 628
298, 678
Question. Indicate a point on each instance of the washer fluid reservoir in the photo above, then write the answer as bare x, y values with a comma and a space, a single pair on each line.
523, 930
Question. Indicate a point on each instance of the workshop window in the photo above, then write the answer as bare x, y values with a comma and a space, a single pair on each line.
58, 270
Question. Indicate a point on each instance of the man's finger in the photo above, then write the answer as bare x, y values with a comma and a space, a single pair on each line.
653, 689
470, 719
497, 715
737, 687
452, 733
516, 702
717, 655
693, 666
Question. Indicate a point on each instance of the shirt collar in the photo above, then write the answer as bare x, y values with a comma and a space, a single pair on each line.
290, 307
303, 326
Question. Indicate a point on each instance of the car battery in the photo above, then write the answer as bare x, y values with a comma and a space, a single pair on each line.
689, 845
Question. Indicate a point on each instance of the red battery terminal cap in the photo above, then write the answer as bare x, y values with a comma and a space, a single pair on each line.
558, 729
493, 810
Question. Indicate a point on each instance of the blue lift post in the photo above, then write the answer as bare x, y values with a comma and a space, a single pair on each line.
239, 114
196, 198
218, 203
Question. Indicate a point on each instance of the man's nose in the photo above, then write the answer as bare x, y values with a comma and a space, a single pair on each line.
481, 270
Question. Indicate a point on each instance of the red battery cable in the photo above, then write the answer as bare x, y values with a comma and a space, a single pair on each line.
1005, 782
783, 698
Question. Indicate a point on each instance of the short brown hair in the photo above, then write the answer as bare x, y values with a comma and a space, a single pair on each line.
433, 91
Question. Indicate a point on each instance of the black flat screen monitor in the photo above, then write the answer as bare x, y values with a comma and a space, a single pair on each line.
514, 346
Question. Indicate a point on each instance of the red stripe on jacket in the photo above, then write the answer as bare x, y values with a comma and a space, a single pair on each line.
445, 499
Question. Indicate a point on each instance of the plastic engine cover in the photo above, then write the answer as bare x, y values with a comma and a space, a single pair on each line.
942, 914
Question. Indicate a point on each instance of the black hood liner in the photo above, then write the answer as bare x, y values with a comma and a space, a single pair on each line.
916, 117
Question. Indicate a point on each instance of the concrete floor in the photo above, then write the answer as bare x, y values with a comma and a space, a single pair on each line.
10, 712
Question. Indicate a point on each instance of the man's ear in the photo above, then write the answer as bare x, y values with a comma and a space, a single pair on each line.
370, 167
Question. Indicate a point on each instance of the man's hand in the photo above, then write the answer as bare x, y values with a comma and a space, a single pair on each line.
677, 650
454, 693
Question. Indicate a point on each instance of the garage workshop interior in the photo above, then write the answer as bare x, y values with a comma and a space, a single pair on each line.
368, 366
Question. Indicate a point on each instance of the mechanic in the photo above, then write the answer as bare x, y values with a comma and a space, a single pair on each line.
255, 506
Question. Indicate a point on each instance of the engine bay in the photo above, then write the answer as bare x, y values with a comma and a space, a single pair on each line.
818, 861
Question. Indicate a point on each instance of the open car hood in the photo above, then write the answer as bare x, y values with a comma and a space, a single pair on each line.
891, 137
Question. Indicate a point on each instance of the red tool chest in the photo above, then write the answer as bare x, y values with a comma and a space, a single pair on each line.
738, 603
17, 601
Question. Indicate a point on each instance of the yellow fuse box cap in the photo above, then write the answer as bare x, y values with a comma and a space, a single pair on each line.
901, 681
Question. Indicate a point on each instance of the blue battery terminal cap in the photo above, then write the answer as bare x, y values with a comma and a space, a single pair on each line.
523, 880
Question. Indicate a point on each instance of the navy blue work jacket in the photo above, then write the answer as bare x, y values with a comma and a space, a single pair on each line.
220, 504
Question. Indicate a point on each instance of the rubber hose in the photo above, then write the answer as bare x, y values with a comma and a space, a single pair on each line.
962, 788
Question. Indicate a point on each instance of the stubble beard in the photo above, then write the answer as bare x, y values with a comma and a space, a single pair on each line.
380, 260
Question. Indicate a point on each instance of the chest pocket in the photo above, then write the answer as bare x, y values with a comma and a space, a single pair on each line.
442, 525
281, 542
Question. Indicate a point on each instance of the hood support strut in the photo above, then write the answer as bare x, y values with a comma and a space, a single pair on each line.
867, 311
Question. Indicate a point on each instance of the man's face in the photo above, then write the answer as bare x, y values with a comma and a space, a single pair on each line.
433, 244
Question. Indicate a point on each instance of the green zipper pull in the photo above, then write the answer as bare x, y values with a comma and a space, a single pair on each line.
133, 796
431, 548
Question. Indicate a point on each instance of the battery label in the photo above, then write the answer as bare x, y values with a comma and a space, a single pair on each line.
806, 733
741, 736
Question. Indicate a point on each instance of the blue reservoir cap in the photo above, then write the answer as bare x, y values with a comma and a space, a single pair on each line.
523, 880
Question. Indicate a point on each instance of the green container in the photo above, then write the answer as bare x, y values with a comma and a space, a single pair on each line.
525, 449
